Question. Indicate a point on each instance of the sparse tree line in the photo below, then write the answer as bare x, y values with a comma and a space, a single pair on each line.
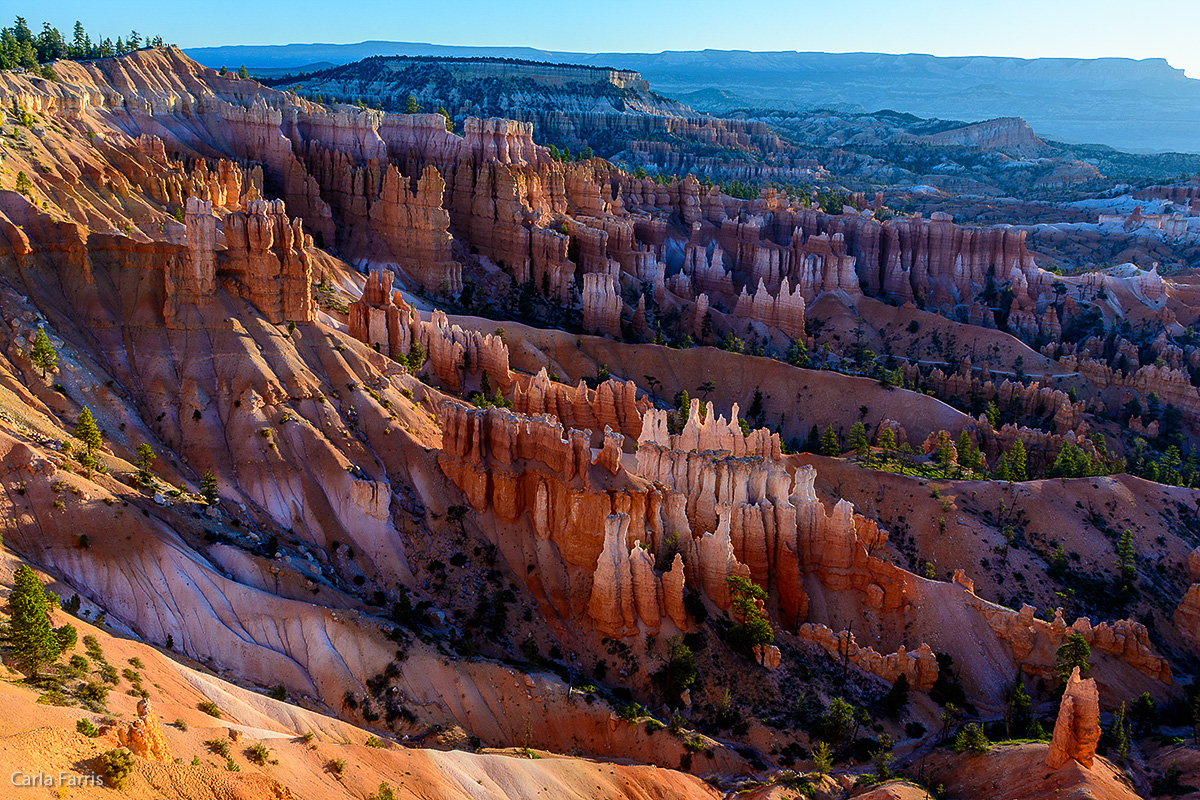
21, 49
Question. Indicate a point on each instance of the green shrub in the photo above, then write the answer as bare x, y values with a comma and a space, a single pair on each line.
93, 695
181, 725
374, 741
385, 793
629, 712
258, 753
822, 758
971, 739
336, 766
116, 766
66, 636
754, 627
77, 667
55, 697
210, 708
92, 648
218, 746
86, 727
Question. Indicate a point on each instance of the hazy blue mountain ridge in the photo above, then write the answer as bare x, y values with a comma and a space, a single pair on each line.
1135, 105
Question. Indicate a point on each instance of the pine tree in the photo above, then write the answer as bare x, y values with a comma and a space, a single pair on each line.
753, 626
756, 411
1003, 471
32, 643
208, 487
993, 414
412, 106
242, 73
968, 456
1120, 734
897, 697
1017, 461
683, 403
829, 442
87, 432
145, 460
41, 353
1075, 652
946, 453
858, 441
1017, 710
1127, 556
887, 440
822, 759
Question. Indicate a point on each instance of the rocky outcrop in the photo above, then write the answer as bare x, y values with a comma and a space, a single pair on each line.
838, 549
1032, 400
1172, 386
704, 430
707, 272
609, 456
628, 596
767, 655
612, 602
226, 184
904, 258
716, 562
143, 735
482, 448
267, 260
190, 281
384, 217
1035, 642
818, 264
1077, 729
460, 357
601, 305
1187, 613
784, 311
380, 317
614, 404
920, 666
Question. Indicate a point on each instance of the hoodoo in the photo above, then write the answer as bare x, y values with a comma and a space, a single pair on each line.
572, 438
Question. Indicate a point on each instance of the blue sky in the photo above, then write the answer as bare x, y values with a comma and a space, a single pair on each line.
1023, 28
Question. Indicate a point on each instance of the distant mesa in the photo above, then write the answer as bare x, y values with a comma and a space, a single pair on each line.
1104, 100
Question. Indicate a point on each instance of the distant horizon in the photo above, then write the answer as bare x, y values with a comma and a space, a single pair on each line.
187, 48
1028, 29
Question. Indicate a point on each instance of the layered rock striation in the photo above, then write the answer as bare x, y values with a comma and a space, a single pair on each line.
1077, 729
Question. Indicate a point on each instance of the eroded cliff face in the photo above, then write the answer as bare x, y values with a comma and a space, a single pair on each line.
180, 259
694, 509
